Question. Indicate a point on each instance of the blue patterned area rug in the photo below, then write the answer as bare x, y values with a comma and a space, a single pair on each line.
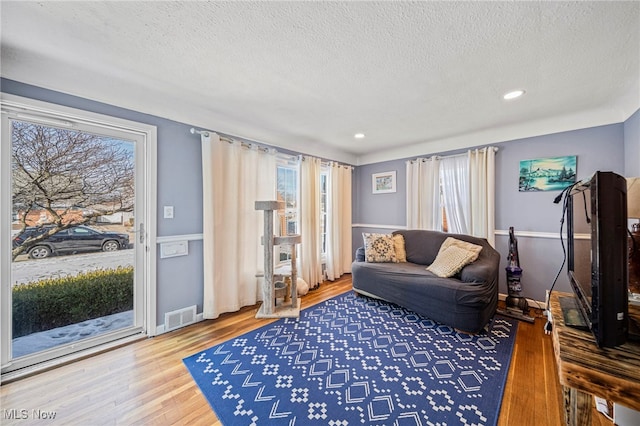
352, 360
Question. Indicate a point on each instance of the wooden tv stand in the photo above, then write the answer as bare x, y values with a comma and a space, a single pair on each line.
586, 370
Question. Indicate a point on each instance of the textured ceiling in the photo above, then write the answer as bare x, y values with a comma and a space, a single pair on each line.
415, 77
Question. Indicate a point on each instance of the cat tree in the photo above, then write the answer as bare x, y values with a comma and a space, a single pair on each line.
279, 291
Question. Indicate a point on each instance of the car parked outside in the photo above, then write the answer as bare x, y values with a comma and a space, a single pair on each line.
74, 239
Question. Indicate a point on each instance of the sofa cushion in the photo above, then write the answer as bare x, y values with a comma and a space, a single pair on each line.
421, 245
379, 248
398, 242
453, 256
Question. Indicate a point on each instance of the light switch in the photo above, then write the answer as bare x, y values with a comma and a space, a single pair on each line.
168, 212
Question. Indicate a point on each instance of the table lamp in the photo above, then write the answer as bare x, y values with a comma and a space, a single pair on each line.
633, 212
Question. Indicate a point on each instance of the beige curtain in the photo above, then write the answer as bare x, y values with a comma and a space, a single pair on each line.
482, 190
338, 251
309, 261
234, 177
423, 194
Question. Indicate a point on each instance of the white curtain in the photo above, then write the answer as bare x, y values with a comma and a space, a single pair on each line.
423, 194
454, 174
234, 177
309, 261
482, 193
338, 249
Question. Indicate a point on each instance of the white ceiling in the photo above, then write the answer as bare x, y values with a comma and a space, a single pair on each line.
415, 77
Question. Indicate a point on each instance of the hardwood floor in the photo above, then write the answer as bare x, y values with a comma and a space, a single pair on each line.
146, 382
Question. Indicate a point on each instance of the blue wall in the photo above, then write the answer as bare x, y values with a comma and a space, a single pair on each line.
598, 148
632, 145
382, 209
541, 254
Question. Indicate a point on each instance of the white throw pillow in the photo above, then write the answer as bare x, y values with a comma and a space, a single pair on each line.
453, 256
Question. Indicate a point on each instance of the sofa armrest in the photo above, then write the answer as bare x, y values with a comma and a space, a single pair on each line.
360, 254
477, 272
485, 269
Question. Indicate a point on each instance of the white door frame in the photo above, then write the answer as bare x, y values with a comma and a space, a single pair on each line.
47, 113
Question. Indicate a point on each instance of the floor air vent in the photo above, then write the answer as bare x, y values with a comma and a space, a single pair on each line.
179, 318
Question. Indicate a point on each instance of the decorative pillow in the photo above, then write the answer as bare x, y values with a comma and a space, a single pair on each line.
450, 241
379, 248
453, 256
398, 243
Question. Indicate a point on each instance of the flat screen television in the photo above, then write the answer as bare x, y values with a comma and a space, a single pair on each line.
597, 255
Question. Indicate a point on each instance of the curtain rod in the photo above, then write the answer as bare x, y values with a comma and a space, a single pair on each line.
441, 157
207, 133
204, 133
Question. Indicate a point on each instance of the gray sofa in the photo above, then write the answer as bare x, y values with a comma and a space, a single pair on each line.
466, 301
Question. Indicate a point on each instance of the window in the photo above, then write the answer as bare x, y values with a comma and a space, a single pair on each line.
287, 178
443, 211
287, 191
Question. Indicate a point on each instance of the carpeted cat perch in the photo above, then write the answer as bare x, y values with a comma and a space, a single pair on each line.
279, 291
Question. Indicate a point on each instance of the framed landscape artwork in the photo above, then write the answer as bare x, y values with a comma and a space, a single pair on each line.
547, 174
384, 182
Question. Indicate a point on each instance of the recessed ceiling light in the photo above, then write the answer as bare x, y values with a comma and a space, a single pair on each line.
359, 135
513, 95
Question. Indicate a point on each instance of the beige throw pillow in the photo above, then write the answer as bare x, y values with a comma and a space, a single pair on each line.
453, 256
398, 243
378, 248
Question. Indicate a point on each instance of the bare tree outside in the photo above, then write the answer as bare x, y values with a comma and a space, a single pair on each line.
63, 172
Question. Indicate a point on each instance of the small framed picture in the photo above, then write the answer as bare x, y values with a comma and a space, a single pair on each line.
384, 182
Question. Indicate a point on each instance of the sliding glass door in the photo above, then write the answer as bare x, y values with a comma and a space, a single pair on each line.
75, 207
